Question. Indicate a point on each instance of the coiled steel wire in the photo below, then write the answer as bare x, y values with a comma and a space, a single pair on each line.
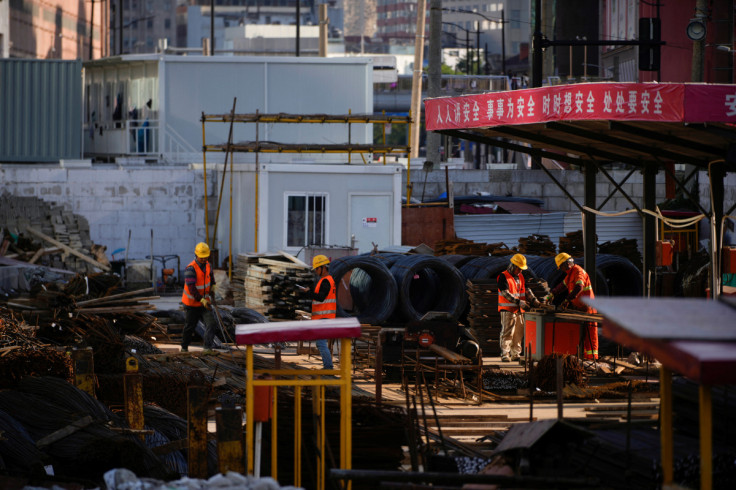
87, 452
457, 260
372, 287
17, 448
427, 283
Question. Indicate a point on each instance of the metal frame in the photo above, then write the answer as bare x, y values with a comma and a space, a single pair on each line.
296, 378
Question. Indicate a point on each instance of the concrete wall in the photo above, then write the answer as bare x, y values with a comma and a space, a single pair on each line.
117, 200
532, 183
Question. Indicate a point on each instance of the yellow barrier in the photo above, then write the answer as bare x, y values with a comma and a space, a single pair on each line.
343, 328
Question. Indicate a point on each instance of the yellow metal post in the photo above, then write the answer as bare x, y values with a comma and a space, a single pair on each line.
204, 172
706, 438
297, 436
197, 397
229, 422
665, 425
133, 396
249, 409
346, 415
274, 437
84, 370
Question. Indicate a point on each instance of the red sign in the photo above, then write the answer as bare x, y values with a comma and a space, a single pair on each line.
665, 102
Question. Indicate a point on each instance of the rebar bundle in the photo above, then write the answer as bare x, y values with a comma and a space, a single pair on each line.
545, 372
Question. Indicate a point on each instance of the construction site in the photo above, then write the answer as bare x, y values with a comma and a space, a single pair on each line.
102, 390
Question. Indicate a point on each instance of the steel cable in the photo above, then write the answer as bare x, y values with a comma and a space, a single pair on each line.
372, 287
427, 283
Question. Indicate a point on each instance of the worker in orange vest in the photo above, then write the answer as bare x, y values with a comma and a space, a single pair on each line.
198, 283
513, 299
577, 285
324, 302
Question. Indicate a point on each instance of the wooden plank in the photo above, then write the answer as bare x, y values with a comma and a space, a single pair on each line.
118, 309
296, 260
76, 253
104, 299
65, 432
448, 354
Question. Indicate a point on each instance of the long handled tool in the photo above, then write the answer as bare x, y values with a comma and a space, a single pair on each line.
225, 335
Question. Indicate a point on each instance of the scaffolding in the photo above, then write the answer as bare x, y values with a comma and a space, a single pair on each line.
260, 146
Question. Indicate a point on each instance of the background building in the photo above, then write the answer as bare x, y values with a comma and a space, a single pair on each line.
55, 29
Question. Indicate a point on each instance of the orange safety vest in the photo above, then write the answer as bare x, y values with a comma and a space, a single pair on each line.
203, 284
517, 290
577, 275
328, 308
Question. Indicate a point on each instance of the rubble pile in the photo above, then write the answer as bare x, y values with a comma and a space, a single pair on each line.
44, 233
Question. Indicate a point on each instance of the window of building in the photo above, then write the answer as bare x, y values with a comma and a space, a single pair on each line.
149, 23
515, 18
306, 219
167, 23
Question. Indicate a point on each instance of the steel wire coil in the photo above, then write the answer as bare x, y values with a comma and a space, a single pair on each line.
484, 267
17, 448
427, 283
372, 287
457, 260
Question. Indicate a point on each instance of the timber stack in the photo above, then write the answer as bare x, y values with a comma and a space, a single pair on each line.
269, 285
540, 245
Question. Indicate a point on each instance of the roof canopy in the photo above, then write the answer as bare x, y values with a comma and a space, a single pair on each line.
634, 123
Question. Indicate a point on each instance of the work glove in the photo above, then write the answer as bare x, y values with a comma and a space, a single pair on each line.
523, 305
548, 298
206, 303
536, 303
564, 305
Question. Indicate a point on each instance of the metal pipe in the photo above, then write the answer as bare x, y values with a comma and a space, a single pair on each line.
436, 477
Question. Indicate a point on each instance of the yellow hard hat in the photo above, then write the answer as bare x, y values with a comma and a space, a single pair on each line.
202, 250
319, 261
519, 261
561, 259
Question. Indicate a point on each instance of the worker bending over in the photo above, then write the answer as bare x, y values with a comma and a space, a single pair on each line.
324, 302
513, 299
577, 285
198, 282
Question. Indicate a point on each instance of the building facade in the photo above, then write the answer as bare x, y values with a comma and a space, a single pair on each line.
54, 29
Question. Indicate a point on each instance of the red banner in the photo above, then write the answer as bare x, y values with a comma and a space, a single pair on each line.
665, 102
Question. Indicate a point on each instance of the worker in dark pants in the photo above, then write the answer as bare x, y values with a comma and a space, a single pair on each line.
198, 282
324, 302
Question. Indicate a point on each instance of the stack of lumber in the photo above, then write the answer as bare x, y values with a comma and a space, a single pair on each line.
625, 247
572, 243
37, 231
461, 246
270, 283
237, 282
537, 245
483, 317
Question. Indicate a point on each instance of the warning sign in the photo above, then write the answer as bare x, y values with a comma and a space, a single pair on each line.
370, 222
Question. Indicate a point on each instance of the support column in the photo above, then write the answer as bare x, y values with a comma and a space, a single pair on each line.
434, 72
590, 244
650, 227
716, 175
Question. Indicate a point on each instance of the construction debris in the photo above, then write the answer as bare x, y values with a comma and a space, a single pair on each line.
39, 232
461, 246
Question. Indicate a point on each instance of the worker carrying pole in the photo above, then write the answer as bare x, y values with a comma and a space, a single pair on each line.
577, 286
324, 302
198, 285
513, 299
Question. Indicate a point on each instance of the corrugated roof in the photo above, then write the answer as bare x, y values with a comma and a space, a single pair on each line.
508, 228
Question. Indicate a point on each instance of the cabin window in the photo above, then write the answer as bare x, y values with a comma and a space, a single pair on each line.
306, 219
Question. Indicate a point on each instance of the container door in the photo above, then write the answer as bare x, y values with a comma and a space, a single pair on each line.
370, 221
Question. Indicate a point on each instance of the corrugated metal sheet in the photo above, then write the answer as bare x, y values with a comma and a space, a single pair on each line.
40, 110
508, 228
610, 228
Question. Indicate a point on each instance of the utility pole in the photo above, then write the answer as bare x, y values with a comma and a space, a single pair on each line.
434, 75
212, 27
699, 45
416, 82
